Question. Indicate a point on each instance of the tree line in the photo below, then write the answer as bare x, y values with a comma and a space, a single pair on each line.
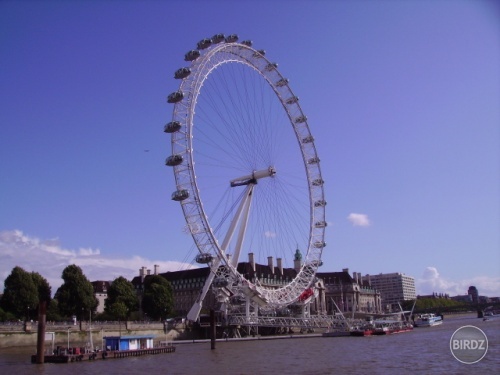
23, 292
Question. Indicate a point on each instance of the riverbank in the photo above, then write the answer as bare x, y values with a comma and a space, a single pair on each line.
73, 336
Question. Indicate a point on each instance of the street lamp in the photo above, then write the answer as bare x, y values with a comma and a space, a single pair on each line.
68, 337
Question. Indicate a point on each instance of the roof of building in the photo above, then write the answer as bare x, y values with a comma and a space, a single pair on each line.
101, 286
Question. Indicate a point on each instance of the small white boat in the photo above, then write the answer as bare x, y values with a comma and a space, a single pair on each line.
428, 320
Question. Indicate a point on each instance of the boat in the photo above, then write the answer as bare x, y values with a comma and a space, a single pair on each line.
489, 313
366, 328
388, 327
428, 320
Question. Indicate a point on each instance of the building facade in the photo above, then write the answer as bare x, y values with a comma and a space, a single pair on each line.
100, 293
346, 293
335, 289
394, 288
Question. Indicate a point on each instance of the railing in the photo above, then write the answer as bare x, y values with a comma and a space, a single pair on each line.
331, 322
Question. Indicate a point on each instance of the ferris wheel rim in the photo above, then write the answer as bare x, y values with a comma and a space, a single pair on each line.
185, 172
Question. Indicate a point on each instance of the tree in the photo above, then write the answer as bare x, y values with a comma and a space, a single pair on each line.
157, 300
20, 294
121, 299
43, 288
76, 295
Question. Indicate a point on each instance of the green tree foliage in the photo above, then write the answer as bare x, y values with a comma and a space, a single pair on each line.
424, 304
20, 294
157, 301
76, 295
43, 288
6, 316
53, 311
121, 300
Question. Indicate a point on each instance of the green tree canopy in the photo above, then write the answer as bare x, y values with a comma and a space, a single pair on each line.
157, 300
76, 295
20, 295
121, 299
43, 288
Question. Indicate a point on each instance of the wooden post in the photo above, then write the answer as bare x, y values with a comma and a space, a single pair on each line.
40, 347
212, 329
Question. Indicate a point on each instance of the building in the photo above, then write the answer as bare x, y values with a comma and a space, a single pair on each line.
129, 342
100, 293
473, 293
188, 284
349, 293
394, 288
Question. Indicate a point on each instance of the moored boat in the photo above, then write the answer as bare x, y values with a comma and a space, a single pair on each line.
428, 320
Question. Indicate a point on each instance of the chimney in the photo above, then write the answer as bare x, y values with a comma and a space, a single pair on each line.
270, 264
149, 272
369, 279
142, 273
251, 260
157, 267
280, 265
346, 270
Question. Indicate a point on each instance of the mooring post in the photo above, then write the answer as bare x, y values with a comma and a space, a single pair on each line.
40, 346
212, 329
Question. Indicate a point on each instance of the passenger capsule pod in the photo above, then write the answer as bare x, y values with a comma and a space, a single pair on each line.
271, 66
300, 119
318, 182
247, 43
175, 97
320, 203
182, 73
308, 139
282, 82
292, 100
314, 160
204, 43
217, 38
220, 282
204, 258
174, 160
320, 224
192, 55
319, 244
172, 127
259, 53
231, 38
180, 195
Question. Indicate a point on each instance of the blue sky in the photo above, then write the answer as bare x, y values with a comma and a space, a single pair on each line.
402, 97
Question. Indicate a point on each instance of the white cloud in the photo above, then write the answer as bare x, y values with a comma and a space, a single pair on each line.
359, 220
49, 258
431, 281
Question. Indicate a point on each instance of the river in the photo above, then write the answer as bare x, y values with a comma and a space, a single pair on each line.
422, 351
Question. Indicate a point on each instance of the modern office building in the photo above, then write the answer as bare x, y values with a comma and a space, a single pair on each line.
394, 288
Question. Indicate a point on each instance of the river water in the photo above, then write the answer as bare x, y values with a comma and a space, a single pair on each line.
422, 351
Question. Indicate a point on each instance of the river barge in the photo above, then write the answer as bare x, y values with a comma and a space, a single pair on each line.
115, 347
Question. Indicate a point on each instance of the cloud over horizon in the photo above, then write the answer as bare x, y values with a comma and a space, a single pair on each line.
49, 258
431, 281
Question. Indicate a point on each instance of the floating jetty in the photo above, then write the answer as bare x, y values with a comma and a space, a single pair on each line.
108, 354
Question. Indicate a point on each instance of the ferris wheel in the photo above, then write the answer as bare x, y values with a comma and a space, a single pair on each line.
246, 170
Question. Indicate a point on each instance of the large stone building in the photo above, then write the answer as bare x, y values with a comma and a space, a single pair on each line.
349, 293
394, 288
